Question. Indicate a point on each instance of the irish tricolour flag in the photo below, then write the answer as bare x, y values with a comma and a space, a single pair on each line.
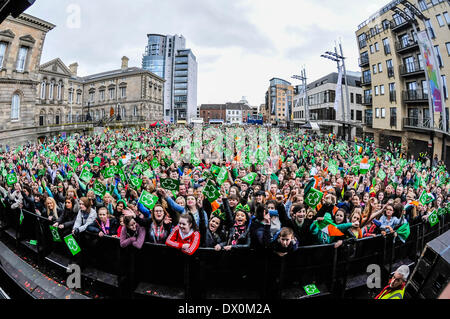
364, 166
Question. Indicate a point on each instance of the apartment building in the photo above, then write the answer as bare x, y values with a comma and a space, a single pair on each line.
395, 91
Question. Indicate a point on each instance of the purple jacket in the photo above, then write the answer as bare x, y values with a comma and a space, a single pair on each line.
137, 242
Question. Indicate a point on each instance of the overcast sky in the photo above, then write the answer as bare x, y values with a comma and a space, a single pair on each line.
239, 44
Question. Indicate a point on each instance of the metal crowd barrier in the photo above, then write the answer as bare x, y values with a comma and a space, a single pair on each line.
209, 274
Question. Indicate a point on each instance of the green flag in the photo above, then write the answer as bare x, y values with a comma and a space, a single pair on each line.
381, 174
72, 244
109, 172
300, 172
155, 163
433, 219
138, 169
210, 191
86, 176
21, 217
170, 184
249, 178
135, 181
11, 179
55, 234
148, 200
426, 198
311, 290
313, 197
222, 176
207, 174
99, 188
403, 232
215, 169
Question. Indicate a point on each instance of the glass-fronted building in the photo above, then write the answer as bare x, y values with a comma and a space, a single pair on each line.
167, 56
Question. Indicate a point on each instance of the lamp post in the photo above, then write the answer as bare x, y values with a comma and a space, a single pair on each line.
303, 78
340, 61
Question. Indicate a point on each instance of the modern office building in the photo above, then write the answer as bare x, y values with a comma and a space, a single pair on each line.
396, 94
278, 108
321, 96
167, 57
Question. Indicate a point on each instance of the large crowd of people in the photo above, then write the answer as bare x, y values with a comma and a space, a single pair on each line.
319, 190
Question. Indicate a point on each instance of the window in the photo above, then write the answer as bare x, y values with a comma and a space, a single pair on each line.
70, 97
383, 112
43, 87
59, 91
352, 98
78, 98
382, 89
358, 99
374, 69
448, 47
371, 49
377, 47
387, 47
50, 90
123, 92
440, 20
2, 53
112, 93
447, 17
358, 115
393, 114
15, 107
362, 40
91, 96
444, 86
430, 28
380, 68
376, 90
22, 59
390, 68
423, 5
392, 93
438, 55
377, 112
425, 89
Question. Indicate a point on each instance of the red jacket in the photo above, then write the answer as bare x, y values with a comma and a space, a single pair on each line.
174, 240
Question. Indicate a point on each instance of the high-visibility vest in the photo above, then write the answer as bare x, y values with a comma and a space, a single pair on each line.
396, 294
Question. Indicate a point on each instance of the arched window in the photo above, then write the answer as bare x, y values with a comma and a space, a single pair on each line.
15, 107
59, 95
58, 117
42, 118
50, 91
43, 87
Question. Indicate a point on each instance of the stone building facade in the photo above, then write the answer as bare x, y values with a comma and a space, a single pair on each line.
42, 100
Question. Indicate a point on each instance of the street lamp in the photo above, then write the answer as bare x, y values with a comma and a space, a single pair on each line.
303, 78
340, 59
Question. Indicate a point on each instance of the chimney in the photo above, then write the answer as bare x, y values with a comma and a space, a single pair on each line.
125, 63
74, 68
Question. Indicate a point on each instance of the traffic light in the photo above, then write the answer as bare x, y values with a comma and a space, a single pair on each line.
13, 7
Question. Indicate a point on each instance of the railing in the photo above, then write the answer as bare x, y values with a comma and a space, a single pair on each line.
415, 96
207, 274
390, 71
402, 46
414, 122
363, 61
397, 25
367, 100
366, 81
411, 68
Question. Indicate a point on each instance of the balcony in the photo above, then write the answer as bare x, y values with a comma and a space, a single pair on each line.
417, 123
398, 25
366, 81
367, 101
411, 69
415, 96
406, 46
368, 122
364, 61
